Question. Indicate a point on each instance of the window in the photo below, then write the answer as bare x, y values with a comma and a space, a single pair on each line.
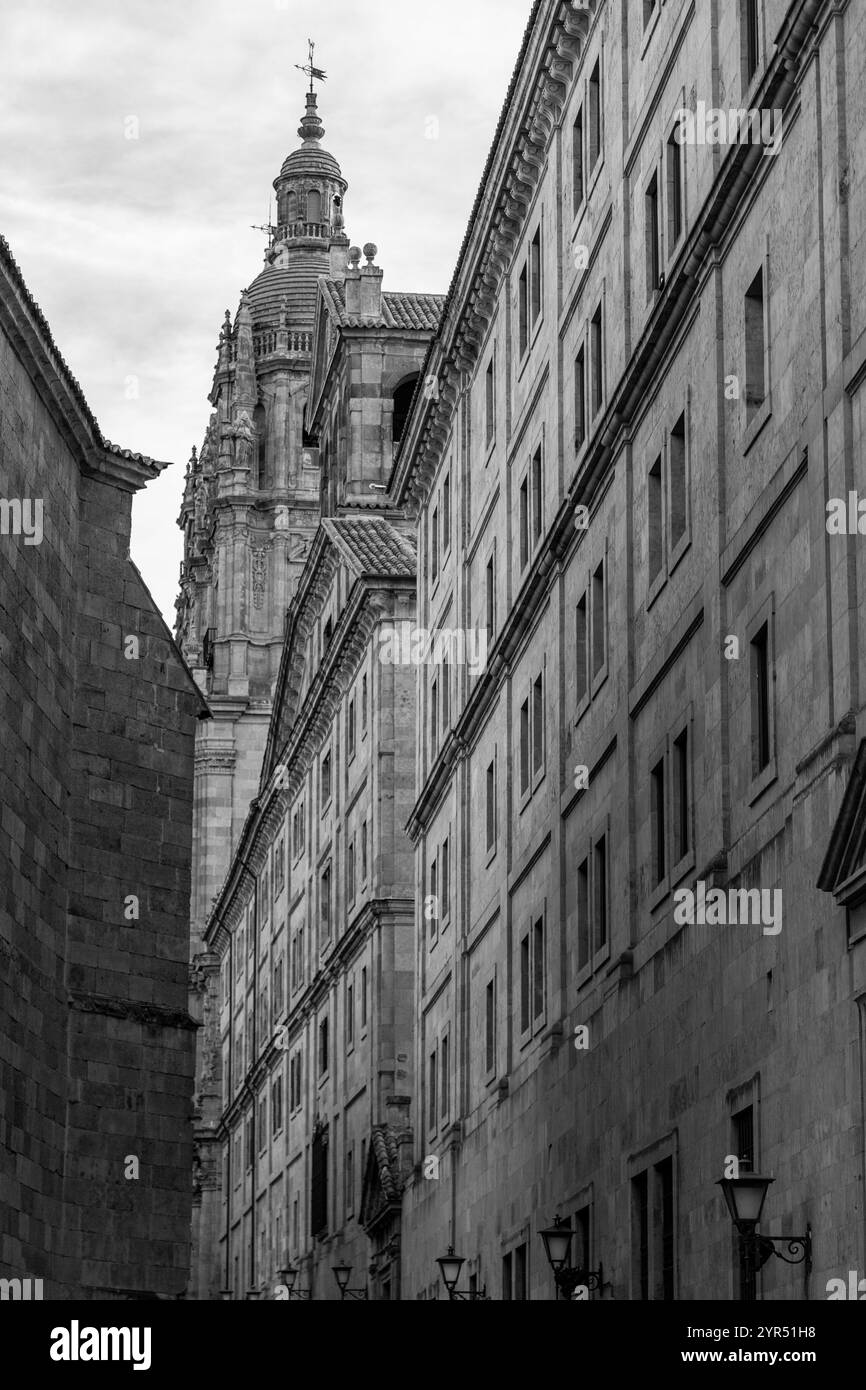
445, 891
434, 546
535, 277
581, 650
677, 483
681, 835
431, 1090
600, 892
350, 730
577, 177
659, 849
599, 621
533, 976
597, 360
653, 1232
446, 515
265, 891
327, 635
295, 1083
524, 748
663, 1227
277, 992
296, 1222
653, 266
277, 1105
761, 732
279, 866
580, 399
506, 1277
319, 1182
655, 526
756, 386
490, 802
434, 894
350, 1181
364, 997
350, 1015
326, 780
250, 1140
538, 726
434, 714
364, 852
490, 595
523, 309
584, 925
640, 1235
490, 401
523, 519
490, 1026
444, 1087
350, 870
325, 907
364, 704
298, 830
595, 116
323, 1047
750, 39
529, 289
446, 699
537, 495
743, 1138
519, 1290
675, 155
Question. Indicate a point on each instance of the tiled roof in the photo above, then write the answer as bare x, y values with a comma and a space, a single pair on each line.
384, 1141
295, 284
52, 351
372, 545
399, 309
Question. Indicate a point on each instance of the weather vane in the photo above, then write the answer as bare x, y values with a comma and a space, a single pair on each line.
310, 69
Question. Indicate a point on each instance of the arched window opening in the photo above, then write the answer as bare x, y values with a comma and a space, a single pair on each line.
402, 404
314, 205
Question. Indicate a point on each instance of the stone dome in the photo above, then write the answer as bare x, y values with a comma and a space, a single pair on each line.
296, 285
311, 159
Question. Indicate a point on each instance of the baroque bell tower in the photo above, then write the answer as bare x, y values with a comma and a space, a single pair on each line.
249, 513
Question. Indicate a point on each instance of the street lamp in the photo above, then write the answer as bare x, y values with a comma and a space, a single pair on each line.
450, 1266
342, 1274
288, 1276
557, 1245
745, 1196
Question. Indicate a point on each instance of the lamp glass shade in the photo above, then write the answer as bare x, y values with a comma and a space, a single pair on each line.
450, 1265
288, 1277
745, 1197
557, 1243
342, 1274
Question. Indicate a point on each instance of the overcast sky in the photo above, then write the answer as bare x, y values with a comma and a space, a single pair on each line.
134, 247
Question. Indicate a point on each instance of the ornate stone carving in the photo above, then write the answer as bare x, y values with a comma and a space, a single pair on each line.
260, 575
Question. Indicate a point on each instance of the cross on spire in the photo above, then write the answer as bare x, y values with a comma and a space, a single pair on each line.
310, 69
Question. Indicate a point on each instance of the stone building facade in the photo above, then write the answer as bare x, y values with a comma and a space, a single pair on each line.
649, 384
97, 723
302, 908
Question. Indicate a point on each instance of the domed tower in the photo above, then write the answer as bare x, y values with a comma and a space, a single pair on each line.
249, 514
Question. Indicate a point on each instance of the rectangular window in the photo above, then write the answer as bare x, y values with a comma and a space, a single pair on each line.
520, 1272
681, 796
535, 276
446, 515
434, 545
677, 481
324, 1054
580, 399
350, 1015
657, 785
431, 1090
524, 747
350, 1181
445, 906
446, 699
490, 1026
363, 703
652, 236
364, 852
523, 309
325, 907
525, 982
596, 346
761, 745
756, 385
537, 496
663, 1229
434, 714
350, 871
490, 596
584, 932
506, 1277
434, 894
538, 726
489, 401
751, 39
675, 188
326, 780
600, 891
655, 527
581, 650
538, 970
599, 621
523, 519
444, 1079
577, 163
279, 866
319, 1182
277, 1105
491, 805
364, 997
350, 730
595, 116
